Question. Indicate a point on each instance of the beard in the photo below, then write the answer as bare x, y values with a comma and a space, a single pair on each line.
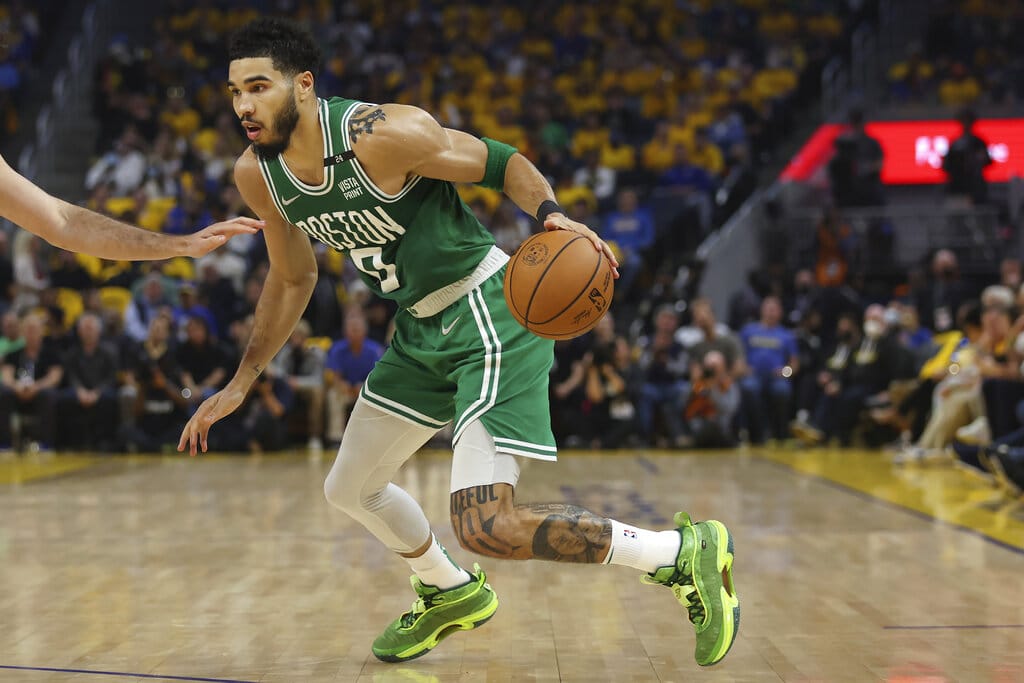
284, 125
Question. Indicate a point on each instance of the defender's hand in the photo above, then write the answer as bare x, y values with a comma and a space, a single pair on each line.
216, 235
558, 221
220, 405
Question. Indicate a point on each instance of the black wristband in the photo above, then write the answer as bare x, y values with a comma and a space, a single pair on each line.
546, 208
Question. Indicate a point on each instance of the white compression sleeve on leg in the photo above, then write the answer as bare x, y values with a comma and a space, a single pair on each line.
476, 462
373, 449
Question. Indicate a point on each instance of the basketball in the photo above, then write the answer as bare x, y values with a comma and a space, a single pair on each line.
557, 285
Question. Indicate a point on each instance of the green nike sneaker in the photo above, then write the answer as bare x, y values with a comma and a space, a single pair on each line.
436, 615
702, 583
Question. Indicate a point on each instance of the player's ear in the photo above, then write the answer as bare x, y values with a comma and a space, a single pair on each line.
304, 85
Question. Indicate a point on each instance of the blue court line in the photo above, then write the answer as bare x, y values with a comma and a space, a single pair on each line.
953, 626
126, 674
896, 506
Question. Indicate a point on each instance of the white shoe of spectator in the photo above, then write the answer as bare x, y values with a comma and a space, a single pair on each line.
315, 444
975, 434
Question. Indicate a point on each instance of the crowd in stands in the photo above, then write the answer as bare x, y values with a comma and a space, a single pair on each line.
620, 111
970, 55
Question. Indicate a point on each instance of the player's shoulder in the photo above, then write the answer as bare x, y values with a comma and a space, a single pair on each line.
389, 124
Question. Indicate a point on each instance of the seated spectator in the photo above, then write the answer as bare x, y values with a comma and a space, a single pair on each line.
613, 385
10, 334
349, 362
599, 178
154, 393
204, 363
665, 388
302, 369
88, 403
959, 88
771, 353
707, 334
150, 302
714, 402
29, 379
189, 307
260, 423
631, 228
859, 369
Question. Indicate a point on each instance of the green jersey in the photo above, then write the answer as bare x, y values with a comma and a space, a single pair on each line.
405, 245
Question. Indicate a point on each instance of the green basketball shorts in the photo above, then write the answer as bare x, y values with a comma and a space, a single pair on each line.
471, 361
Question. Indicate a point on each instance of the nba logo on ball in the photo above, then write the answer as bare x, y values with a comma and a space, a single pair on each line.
597, 298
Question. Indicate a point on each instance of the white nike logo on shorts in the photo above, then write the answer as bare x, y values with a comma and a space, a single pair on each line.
446, 330
286, 202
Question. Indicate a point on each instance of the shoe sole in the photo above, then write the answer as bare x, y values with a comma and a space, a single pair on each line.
730, 602
468, 623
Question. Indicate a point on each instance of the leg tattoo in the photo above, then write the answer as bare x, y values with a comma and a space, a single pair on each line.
487, 521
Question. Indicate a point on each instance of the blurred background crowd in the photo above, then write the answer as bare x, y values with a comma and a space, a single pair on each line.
654, 121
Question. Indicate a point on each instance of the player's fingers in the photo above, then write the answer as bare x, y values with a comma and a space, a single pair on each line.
248, 222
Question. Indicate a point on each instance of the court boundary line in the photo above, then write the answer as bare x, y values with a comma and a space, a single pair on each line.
125, 674
950, 627
875, 499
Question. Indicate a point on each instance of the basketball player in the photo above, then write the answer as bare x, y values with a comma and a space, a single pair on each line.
376, 181
78, 229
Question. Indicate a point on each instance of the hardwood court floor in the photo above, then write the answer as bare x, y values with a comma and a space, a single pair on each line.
236, 569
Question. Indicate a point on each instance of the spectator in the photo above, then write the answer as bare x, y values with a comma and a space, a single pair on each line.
713, 403
612, 387
260, 423
29, 379
596, 176
771, 353
349, 361
860, 368
189, 307
31, 273
691, 183
10, 334
631, 229
834, 242
88, 404
664, 390
301, 366
707, 334
153, 392
203, 363
124, 167
938, 300
966, 161
150, 302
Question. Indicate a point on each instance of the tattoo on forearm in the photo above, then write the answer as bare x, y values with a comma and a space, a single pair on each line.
257, 368
363, 123
486, 523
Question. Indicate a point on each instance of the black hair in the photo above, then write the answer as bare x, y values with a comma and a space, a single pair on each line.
291, 47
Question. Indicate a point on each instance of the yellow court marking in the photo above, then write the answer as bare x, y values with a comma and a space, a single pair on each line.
20, 470
940, 490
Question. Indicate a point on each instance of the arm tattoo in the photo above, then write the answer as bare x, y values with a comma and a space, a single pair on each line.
363, 123
257, 368
570, 534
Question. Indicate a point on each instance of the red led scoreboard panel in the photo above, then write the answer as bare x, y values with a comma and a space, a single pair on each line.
914, 149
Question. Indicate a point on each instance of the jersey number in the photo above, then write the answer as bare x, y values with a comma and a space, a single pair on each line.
369, 261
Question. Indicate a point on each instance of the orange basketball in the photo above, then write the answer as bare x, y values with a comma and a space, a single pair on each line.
557, 285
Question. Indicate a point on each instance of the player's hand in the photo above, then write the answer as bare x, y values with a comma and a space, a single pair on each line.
220, 405
216, 235
559, 221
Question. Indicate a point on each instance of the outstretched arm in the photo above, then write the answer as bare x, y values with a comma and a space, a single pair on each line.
77, 229
407, 141
286, 292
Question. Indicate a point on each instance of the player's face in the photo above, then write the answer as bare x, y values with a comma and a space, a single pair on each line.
264, 100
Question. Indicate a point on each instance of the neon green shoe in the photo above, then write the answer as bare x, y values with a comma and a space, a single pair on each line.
436, 615
702, 583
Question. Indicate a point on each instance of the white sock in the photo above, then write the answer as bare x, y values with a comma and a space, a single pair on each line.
436, 568
641, 548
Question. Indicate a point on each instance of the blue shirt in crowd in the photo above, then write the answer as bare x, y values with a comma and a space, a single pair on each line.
633, 231
352, 367
768, 348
